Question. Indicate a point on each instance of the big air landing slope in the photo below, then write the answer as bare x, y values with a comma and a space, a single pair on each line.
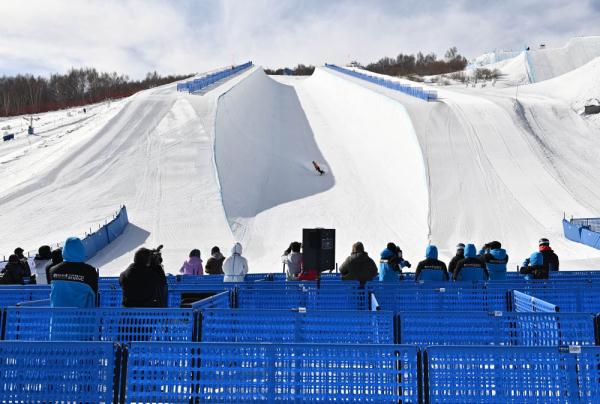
234, 164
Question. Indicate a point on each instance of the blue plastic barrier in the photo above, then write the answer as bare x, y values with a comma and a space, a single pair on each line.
243, 372
584, 230
572, 299
219, 301
58, 372
590, 238
443, 299
14, 294
96, 241
496, 328
426, 95
104, 324
339, 327
524, 303
203, 82
512, 375
571, 231
334, 298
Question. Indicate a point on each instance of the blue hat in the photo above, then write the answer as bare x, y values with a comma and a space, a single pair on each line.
73, 250
431, 252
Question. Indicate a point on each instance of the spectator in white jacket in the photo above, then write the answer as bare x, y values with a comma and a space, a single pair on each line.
235, 266
292, 258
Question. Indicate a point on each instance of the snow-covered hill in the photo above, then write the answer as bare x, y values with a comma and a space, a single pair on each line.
235, 164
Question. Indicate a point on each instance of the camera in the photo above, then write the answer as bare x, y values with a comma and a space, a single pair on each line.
156, 258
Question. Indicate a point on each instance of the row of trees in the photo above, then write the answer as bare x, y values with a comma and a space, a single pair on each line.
25, 94
300, 70
419, 64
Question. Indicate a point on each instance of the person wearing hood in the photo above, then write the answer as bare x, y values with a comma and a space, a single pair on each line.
551, 263
495, 259
12, 273
193, 265
391, 264
460, 255
235, 266
534, 267
431, 269
292, 258
42, 258
214, 265
470, 268
24, 261
55, 259
73, 282
358, 266
144, 283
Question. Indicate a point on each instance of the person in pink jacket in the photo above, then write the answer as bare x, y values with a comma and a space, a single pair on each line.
193, 265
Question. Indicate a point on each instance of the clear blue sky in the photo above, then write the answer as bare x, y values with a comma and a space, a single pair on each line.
134, 36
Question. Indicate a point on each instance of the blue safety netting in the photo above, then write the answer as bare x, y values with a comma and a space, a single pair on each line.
340, 326
496, 328
244, 372
58, 372
205, 81
96, 241
418, 92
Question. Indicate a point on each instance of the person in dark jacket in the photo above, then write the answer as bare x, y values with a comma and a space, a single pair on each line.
56, 258
41, 260
23, 259
144, 282
73, 282
214, 265
470, 268
460, 255
551, 262
534, 266
358, 266
12, 273
495, 259
431, 268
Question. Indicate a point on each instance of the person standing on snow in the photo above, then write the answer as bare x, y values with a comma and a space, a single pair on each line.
235, 266
193, 265
318, 168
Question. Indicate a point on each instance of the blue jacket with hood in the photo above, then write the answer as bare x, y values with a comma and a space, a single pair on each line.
495, 262
470, 268
431, 269
388, 266
73, 282
534, 267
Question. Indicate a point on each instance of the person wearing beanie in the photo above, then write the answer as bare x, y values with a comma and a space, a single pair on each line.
73, 282
12, 273
41, 260
460, 255
470, 268
551, 262
358, 266
144, 283
214, 265
24, 261
391, 264
193, 265
431, 268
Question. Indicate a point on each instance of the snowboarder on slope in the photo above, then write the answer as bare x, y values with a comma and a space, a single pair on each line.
316, 166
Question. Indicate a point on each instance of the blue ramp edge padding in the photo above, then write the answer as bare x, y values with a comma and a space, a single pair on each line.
96, 241
585, 231
209, 79
121, 325
242, 372
58, 372
340, 327
512, 375
496, 328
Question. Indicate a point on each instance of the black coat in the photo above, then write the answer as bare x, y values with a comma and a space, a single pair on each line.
550, 260
358, 267
431, 264
214, 266
75, 272
454, 261
144, 286
12, 274
538, 271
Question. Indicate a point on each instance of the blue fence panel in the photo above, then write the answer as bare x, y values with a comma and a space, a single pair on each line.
510, 375
443, 299
178, 291
96, 241
572, 300
219, 301
198, 84
113, 324
11, 295
496, 328
572, 231
241, 372
57, 372
338, 298
590, 238
351, 327
524, 303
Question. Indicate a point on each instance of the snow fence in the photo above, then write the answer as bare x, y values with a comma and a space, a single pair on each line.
96, 241
419, 92
585, 231
199, 84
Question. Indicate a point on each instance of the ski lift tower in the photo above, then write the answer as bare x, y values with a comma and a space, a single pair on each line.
30, 128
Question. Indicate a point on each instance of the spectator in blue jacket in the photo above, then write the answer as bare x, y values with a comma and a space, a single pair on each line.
431, 269
391, 264
470, 268
495, 259
534, 266
73, 282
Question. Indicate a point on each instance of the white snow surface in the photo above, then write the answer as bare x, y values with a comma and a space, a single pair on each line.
234, 164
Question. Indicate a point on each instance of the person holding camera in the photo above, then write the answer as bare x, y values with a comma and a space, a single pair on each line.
144, 283
292, 259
